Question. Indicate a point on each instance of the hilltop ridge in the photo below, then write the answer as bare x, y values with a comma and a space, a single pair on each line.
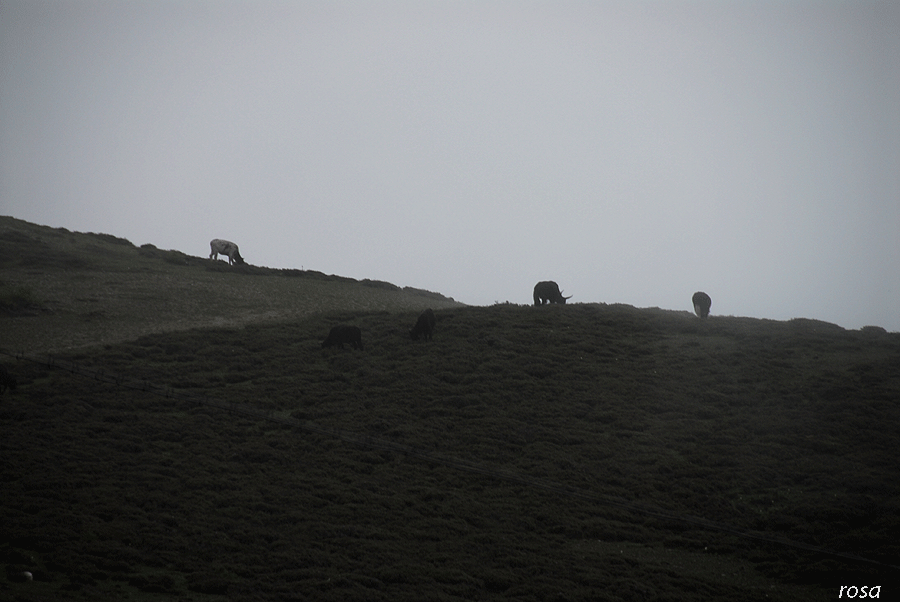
63, 290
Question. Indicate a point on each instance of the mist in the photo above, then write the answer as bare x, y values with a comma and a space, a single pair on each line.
634, 152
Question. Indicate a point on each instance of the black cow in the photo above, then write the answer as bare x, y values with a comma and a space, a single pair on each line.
424, 326
548, 291
702, 303
6, 380
344, 334
225, 247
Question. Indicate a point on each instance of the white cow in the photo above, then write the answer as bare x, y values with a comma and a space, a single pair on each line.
225, 247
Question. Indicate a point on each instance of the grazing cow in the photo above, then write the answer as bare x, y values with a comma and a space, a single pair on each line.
344, 334
225, 247
424, 326
6, 380
548, 291
702, 303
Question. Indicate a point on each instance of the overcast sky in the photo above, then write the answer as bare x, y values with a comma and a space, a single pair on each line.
634, 152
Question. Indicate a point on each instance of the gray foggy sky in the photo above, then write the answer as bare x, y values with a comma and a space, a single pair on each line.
634, 152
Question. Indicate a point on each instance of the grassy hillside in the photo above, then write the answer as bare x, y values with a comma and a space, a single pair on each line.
581, 452
62, 289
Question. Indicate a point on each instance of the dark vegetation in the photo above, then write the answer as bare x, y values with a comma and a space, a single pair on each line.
577, 452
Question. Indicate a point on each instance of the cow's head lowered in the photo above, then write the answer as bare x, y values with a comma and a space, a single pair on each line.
702, 303
227, 248
548, 291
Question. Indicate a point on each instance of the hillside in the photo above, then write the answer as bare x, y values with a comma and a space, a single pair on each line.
579, 452
61, 290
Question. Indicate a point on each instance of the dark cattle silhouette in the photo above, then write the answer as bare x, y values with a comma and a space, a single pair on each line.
225, 247
424, 326
6, 380
702, 303
548, 291
344, 334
